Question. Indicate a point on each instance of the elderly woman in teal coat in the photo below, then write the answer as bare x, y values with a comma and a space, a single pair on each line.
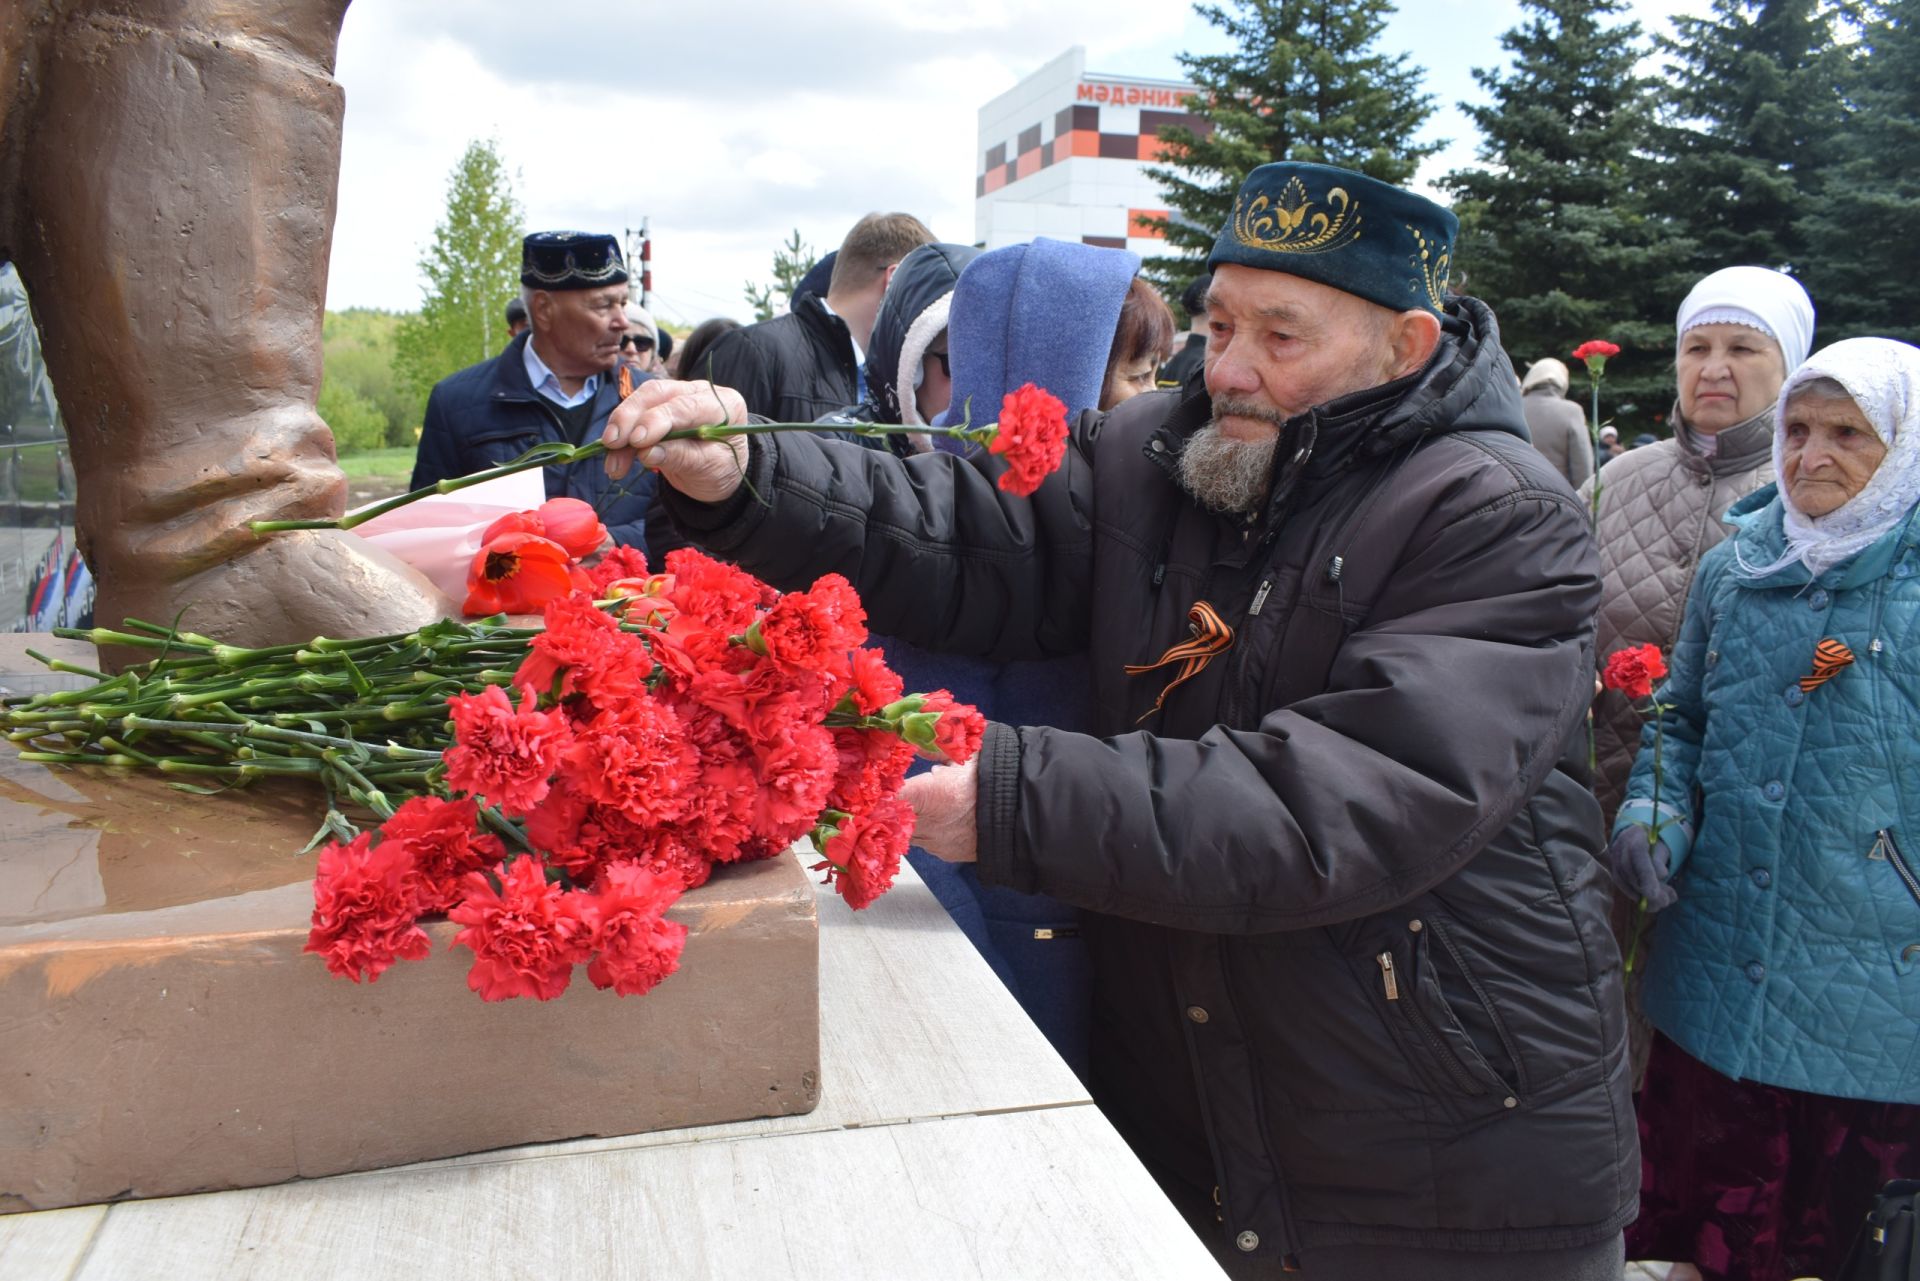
1782, 849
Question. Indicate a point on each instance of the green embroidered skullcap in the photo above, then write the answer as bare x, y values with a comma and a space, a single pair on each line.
1343, 229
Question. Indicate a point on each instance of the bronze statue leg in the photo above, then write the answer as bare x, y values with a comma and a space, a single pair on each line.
177, 180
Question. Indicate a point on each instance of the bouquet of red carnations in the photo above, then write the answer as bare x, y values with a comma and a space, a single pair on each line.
702, 718
558, 788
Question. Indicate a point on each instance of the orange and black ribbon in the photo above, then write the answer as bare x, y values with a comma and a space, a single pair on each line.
1830, 657
626, 381
1209, 636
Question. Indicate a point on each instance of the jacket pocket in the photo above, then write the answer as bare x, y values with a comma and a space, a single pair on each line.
1415, 995
1887, 847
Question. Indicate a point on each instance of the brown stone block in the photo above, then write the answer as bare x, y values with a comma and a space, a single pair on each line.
161, 1031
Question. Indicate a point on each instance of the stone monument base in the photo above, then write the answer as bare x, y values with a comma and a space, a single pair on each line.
165, 1034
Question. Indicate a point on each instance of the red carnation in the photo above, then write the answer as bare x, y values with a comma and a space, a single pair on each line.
1633, 671
1595, 352
636, 760
1032, 436
874, 683
941, 727
863, 857
503, 753
715, 593
637, 945
873, 763
619, 562
582, 652
516, 573
364, 907
441, 843
526, 937
812, 631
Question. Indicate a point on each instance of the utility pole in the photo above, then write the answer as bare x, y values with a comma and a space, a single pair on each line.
640, 249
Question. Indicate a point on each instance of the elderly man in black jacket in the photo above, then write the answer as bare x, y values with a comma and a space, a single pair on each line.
1356, 998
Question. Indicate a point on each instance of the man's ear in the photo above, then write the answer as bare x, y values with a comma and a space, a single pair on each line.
887, 278
1412, 336
540, 309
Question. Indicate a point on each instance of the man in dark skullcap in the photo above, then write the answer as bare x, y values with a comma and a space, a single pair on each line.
1355, 998
554, 382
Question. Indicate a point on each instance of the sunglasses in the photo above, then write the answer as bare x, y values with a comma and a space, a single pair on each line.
639, 342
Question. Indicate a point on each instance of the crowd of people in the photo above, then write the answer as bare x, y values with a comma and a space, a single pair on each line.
1393, 949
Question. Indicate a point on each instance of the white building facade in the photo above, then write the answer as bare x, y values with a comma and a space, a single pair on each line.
1064, 153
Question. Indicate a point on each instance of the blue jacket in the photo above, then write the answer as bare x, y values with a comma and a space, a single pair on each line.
488, 414
1044, 313
1792, 956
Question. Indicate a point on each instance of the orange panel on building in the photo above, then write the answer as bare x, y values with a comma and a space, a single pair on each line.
1027, 165
1135, 227
1085, 142
995, 178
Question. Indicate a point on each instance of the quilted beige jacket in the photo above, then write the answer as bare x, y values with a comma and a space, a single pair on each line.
1660, 510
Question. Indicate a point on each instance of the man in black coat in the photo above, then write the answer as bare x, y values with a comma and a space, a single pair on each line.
1356, 1001
811, 361
553, 382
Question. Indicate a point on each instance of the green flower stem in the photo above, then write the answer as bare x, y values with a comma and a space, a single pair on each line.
61, 665
273, 733
556, 453
78, 758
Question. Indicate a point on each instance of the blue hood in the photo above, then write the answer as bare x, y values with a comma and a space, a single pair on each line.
1041, 313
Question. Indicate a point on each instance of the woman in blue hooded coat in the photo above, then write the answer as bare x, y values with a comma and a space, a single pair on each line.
1773, 821
1075, 320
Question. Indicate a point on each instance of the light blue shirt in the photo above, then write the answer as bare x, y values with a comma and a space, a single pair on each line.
548, 384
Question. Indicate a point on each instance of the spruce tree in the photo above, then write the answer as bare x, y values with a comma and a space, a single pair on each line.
1754, 109
1304, 81
1862, 239
472, 268
1555, 235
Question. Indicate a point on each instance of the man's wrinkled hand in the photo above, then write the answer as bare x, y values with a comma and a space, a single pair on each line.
943, 806
707, 471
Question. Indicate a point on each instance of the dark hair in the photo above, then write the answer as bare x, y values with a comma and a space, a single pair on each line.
666, 343
876, 242
516, 311
700, 341
1145, 329
1193, 299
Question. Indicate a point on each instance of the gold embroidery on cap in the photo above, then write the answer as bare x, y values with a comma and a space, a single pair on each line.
1434, 272
1293, 226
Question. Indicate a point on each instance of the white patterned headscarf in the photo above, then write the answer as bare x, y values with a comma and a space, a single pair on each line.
1883, 378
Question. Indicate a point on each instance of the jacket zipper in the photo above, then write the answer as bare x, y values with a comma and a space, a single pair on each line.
1435, 1045
1886, 842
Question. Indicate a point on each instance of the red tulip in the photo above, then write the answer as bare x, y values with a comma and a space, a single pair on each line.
513, 523
517, 573
573, 525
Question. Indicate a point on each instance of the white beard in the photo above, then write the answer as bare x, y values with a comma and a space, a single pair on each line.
1227, 475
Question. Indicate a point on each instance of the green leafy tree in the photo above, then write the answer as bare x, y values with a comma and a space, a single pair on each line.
1860, 237
358, 425
1556, 236
791, 263
1305, 80
471, 269
1755, 108
360, 345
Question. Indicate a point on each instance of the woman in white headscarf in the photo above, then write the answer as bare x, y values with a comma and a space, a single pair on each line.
1777, 834
1738, 334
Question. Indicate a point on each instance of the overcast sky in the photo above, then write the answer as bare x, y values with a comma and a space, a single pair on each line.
728, 125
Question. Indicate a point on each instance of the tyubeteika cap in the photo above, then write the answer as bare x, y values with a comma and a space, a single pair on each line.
559, 260
1343, 229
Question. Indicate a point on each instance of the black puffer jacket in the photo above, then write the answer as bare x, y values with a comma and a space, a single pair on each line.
911, 316
790, 369
1350, 943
